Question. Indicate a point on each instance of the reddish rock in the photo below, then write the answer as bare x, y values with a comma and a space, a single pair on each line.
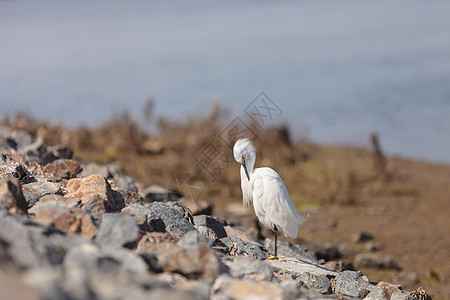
94, 191
67, 223
70, 221
11, 196
63, 168
87, 227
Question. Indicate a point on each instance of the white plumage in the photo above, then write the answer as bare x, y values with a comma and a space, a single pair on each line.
265, 189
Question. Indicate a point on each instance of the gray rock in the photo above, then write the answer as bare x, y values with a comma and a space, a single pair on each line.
387, 291
237, 246
361, 237
351, 283
125, 182
193, 239
183, 210
8, 143
20, 137
35, 149
56, 152
94, 273
194, 263
157, 193
117, 231
250, 268
30, 244
325, 250
295, 268
89, 257
316, 283
94, 169
35, 190
161, 217
339, 266
210, 227
287, 249
375, 260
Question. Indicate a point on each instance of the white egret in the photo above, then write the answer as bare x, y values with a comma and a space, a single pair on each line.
264, 187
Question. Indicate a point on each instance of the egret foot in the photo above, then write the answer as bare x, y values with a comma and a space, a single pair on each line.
274, 257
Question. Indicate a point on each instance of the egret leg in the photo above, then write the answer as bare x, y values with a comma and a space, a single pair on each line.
276, 248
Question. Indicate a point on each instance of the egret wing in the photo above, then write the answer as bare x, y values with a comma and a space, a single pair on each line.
272, 203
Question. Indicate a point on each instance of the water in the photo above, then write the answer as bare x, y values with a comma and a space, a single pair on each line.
338, 69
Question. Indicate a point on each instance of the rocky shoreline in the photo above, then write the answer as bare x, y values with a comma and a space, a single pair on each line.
70, 230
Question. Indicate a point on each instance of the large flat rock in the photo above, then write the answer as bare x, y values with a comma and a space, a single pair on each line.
297, 267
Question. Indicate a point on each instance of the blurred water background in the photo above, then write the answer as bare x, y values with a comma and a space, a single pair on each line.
338, 69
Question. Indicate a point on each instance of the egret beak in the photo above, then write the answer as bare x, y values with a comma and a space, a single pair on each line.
245, 168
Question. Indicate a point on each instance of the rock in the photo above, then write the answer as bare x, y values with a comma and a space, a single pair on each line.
198, 206
339, 266
227, 287
387, 291
94, 192
295, 268
287, 249
174, 294
56, 152
353, 284
96, 207
195, 263
37, 148
8, 143
139, 213
209, 227
199, 288
20, 137
373, 246
35, 190
155, 241
157, 193
161, 217
63, 168
11, 197
361, 237
95, 169
374, 260
184, 211
235, 232
126, 183
326, 251
30, 244
90, 257
193, 239
130, 197
250, 268
66, 220
237, 246
118, 231
13, 288
318, 284
53, 200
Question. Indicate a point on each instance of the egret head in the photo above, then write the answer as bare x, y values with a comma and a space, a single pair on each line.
245, 154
